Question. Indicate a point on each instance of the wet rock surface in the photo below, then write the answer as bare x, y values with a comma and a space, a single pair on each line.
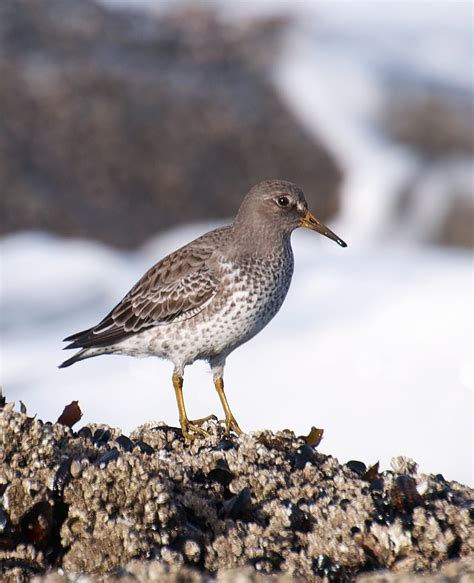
151, 507
115, 125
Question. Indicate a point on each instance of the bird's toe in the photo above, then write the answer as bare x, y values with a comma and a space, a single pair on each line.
231, 425
203, 420
191, 431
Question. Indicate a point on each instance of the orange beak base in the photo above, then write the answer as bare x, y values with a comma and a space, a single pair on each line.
311, 222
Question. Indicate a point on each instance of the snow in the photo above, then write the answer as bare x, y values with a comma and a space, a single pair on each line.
372, 344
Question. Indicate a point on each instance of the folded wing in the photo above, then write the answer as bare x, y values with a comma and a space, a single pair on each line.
176, 288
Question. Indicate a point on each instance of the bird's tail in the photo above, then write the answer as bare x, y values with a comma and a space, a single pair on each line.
81, 355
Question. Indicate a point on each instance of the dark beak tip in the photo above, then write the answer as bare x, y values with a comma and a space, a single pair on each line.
342, 243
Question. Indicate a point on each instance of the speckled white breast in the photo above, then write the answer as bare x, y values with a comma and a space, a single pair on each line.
249, 297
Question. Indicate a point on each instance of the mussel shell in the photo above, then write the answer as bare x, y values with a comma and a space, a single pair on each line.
3, 519
221, 473
299, 519
124, 442
62, 477
101, 436
304, 454
144, 447
358, 467
85, 432
109, 456
237, 506
225, 444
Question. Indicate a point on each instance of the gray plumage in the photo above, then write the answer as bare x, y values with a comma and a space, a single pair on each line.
212, 295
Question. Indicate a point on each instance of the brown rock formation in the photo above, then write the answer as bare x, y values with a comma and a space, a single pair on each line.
115, 125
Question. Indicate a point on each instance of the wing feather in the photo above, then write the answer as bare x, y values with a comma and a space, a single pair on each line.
176, 288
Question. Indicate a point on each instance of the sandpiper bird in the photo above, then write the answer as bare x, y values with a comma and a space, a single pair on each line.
212, 295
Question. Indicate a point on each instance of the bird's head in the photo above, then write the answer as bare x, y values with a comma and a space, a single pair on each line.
282, 205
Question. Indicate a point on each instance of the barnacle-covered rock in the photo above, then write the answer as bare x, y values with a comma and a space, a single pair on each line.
267, 504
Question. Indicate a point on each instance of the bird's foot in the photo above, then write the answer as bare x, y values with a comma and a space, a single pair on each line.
191, 431
203, 420
231, 425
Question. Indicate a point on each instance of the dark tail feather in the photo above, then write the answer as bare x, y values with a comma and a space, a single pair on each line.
73, 345
75, 337
96, 338
76, 358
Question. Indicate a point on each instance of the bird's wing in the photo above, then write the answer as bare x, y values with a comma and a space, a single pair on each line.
177, 288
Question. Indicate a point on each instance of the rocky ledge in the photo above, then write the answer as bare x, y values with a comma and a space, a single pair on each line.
150, 507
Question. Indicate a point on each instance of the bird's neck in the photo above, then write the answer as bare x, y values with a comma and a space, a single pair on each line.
260, 240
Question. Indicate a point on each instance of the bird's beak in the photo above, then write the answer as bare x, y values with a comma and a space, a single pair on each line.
311, 222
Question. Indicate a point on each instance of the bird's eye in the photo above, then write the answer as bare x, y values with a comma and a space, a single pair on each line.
283, 201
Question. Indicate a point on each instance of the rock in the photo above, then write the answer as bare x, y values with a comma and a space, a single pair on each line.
436, 124
438, 202
164, 515
116, 124
439, 199
461, 571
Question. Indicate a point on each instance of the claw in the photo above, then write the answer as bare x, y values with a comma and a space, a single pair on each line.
231, 425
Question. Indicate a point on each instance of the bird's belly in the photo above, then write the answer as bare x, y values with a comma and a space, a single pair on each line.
206, 335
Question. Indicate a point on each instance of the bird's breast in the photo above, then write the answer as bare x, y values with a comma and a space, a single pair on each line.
252, 292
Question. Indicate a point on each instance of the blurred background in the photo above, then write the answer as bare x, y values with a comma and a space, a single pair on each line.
128, 127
